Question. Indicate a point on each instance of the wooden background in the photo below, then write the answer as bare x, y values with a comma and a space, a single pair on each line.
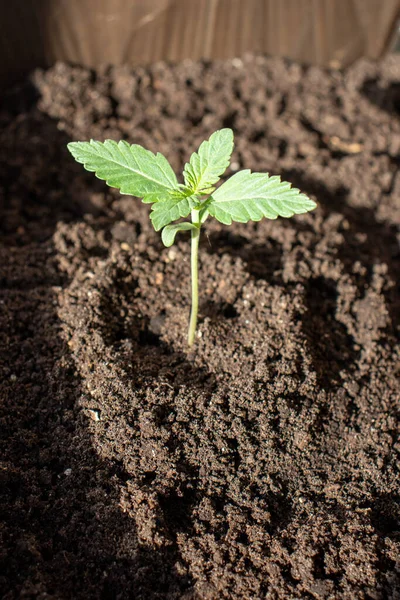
92, 32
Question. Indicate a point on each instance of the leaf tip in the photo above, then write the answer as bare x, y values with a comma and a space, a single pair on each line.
227, 131
74, 149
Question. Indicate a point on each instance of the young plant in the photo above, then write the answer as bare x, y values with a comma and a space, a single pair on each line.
244, 197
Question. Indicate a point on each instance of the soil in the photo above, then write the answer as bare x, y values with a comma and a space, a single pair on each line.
262, 464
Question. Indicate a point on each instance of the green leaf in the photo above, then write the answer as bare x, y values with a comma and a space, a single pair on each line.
171, 209
203, 213
250, 196
169, 232
132, 169
209, 163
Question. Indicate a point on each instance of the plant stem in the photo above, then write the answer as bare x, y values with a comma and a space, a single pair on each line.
194, 263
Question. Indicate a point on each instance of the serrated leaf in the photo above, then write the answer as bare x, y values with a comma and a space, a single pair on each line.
250, 196
130, 168
209, 163
169, 232
171, 209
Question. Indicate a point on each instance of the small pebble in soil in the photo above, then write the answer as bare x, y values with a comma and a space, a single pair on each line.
159, 278
94, 414
172, 254
67, 472
13, 378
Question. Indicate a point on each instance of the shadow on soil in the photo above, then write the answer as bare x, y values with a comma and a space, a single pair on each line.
330, 357
64, 533
262, 261
386, 98
366, 240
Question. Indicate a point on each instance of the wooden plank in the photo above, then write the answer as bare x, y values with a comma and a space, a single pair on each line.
94, 32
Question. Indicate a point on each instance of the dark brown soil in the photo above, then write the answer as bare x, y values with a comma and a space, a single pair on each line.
261, 465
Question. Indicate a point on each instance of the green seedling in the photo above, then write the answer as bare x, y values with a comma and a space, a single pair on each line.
244, 197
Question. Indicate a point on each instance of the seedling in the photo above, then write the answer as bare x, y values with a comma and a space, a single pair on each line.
244, 197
